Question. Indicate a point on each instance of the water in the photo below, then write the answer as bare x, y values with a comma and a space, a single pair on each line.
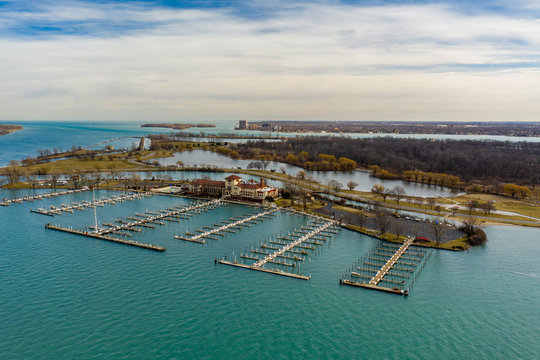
62, 135
38, 135
64, 296
364, 180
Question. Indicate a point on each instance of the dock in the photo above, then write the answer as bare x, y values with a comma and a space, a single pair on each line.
83, 205
226, 228
286, 253
106, 238
388, 267
8, 202
155, 217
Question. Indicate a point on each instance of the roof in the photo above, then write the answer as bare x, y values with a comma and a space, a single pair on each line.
250, 186
233, 177
204, 182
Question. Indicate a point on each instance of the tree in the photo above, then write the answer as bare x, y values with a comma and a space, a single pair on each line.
398, 227
383, 219
398, 193
488, 206
469, 225
255, 165
291, 158
303, 156
292, 190
439, 229
351, 185
431, 202
472, 205
334, 185
378, 189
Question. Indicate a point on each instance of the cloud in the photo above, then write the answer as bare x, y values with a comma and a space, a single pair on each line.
317, 61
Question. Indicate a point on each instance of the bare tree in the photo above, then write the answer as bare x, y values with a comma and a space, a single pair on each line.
398, 193
379, 190
398, 227
383, 219
488, 206
469, 225
334, 185
472, 205
351, 185
439, 229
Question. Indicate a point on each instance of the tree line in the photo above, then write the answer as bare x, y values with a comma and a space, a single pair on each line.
427, 160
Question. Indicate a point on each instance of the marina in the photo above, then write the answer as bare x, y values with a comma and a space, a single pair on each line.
286, 252
229, 227
387, 268
124, 228
83, 205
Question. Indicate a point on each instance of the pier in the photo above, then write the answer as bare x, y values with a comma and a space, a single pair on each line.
226, 228
125, 228
388, 267
83, 205
155, 217
7, 202
286, 252
106, 238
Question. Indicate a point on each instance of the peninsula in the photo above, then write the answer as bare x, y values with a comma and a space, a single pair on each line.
179, 126
7, 128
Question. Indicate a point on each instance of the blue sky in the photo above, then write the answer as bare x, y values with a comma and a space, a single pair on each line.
205, 60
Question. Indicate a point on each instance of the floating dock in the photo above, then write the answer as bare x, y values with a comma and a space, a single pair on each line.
106, 238
388, 267
286, 252
155, 217
234, 224
7, 202
83, 205
123, 227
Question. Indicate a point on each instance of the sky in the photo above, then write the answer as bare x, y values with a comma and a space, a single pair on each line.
172, 60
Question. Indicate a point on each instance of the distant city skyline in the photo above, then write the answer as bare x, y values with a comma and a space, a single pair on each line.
269, 60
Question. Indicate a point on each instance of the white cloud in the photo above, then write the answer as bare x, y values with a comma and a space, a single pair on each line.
306, 62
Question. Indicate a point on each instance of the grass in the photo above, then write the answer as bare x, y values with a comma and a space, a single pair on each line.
503, 203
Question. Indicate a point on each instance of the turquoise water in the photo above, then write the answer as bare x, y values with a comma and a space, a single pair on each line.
67, 297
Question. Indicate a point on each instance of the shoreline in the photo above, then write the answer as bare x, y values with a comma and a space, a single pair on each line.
6, 129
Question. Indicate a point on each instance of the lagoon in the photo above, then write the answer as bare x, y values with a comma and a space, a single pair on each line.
364, 179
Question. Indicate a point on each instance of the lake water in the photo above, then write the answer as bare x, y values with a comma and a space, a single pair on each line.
62, 135
69, 297
364, 180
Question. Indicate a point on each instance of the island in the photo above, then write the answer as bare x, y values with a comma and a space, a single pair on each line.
7, 128
179, 126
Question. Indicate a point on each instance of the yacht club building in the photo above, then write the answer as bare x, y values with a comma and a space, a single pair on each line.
234, 187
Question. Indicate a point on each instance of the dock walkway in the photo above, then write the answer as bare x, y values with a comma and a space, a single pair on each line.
224, 228
158, 216
387, 268
83, 205
289, 249
7, 202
